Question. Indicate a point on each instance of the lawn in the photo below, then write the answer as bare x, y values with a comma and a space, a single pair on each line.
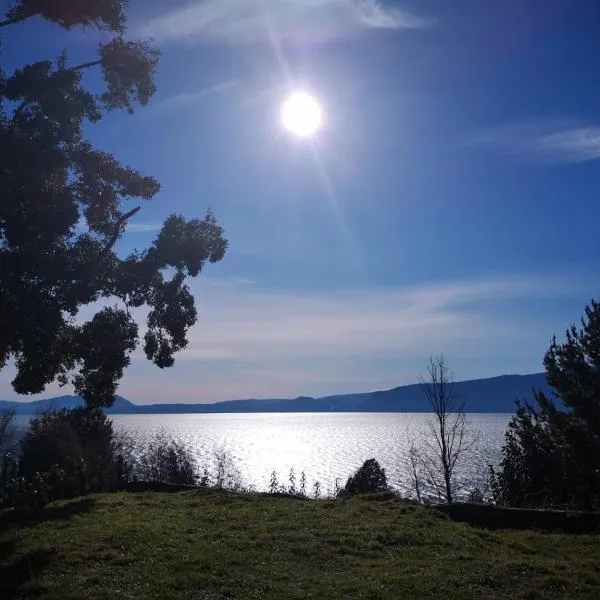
214, 545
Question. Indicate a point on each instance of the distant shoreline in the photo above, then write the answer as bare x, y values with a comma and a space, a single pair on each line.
494, 395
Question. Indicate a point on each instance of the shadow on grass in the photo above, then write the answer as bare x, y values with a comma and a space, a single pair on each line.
13, 518
22, 569
18, 569
489, 516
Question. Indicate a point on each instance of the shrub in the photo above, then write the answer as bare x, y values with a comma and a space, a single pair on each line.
273, 483
226, 475
168, 461
369, 478
70, 453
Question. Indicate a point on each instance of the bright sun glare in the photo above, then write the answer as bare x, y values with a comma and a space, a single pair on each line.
301, 114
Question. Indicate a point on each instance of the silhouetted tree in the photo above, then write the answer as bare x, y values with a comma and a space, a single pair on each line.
316, 490
7, 420
551, 454
302, 489
370, 477
81, 444
65, 204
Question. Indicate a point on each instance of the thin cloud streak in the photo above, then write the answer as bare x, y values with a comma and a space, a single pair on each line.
558, 142
243, 21
135, 227
185, 99
143, 227
252, 342
374, 14
245, 323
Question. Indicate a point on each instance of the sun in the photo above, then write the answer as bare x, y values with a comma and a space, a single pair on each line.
301, 114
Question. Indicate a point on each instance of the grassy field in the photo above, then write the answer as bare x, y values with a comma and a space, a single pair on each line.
211, 545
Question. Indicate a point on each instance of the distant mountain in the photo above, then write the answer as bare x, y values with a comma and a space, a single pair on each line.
492, 395
121, 406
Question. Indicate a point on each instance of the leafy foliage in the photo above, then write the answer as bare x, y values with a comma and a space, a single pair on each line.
370, 477
81, 442
65, 204
104, 14
64, 454
551, 455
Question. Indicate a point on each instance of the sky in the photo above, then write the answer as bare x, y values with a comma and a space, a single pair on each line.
449, 204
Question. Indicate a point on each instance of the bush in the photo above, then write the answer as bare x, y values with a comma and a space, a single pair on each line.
369, 478
68, 453
225, 475
168, 461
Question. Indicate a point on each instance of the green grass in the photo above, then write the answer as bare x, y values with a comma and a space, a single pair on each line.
211, 545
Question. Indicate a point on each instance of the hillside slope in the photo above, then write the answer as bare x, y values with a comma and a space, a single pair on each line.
215, 545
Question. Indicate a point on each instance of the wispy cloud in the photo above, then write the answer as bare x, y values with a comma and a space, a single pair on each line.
134, 227
185, 99
143, 227
547, 142
377, 15
252, 342
250, 21
245, 322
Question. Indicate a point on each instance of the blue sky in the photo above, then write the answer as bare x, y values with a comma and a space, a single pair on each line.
448, 205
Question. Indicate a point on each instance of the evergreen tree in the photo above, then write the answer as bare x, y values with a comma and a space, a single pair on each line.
64, 206
551, 455
370, 477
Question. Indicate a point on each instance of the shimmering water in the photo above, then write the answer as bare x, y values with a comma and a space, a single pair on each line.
325, 446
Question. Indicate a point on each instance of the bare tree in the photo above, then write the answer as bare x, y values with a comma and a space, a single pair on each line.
448, 432
414, 467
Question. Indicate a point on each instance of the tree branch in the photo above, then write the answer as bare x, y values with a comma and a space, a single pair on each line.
20, 108
14, 20
117, 232
86, 65
80, 67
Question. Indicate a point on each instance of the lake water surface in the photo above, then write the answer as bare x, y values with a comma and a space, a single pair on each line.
325, 446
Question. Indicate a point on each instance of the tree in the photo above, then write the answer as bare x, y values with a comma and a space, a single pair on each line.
447, 432
7, 427
370, 477
551, 454
64, 206
80, 443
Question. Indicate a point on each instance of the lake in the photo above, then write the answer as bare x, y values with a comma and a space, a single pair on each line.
325, 446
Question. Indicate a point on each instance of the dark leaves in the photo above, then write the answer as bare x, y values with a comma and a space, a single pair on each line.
129, 69
187, 245
173, 314
369, 478
103, 346
551, 455
103, 14
65, 204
